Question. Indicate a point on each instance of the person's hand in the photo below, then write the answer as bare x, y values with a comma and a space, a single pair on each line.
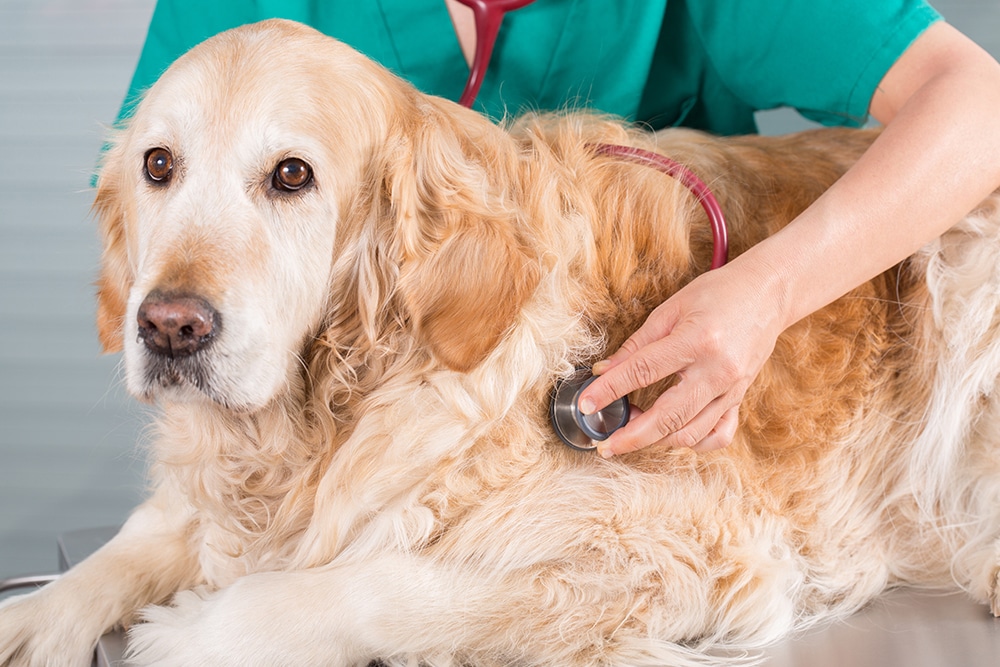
715, 334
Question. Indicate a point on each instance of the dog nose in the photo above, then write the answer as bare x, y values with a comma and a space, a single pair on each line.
176, 325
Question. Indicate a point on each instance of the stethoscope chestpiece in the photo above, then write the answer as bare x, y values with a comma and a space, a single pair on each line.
576, 429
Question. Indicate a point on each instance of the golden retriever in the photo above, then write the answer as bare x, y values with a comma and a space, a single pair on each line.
351, 301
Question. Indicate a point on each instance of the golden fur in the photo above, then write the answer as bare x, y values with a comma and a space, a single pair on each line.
360, 466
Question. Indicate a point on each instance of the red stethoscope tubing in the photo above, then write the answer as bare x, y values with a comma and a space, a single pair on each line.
697, 187
488, 16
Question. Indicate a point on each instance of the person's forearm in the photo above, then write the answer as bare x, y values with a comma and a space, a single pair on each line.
934, 162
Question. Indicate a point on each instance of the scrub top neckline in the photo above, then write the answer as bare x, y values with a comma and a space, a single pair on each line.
443, 70
410, 25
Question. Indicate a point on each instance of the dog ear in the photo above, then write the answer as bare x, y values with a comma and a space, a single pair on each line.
115, 278
466, 269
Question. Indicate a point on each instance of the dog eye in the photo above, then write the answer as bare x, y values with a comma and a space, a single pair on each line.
159, 165
292, 174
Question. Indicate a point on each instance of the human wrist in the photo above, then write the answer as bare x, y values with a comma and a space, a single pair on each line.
772, 279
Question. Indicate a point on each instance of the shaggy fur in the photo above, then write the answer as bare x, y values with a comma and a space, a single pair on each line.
360, 465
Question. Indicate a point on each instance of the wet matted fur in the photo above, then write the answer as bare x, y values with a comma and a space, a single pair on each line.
359, 466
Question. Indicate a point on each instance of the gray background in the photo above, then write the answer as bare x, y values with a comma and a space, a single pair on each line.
68, 432
69, 452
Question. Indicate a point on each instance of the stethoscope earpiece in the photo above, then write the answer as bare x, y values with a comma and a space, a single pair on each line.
576, 429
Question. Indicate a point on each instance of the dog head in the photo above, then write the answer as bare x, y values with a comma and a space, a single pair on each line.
275, 186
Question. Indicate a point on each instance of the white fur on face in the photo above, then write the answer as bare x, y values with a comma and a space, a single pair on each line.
219, 230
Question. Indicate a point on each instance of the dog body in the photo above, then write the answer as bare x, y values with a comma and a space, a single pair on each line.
354, 461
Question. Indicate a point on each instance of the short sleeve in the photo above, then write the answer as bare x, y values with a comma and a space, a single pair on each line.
821, 57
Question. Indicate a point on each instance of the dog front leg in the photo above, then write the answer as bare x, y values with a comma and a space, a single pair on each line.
403, 609
148, 560
344, 614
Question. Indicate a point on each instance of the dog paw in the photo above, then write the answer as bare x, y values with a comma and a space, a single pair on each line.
167, 635
259, 621
202, 627
34, 632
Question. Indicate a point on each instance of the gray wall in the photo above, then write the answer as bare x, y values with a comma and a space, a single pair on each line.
68, 433
68, 454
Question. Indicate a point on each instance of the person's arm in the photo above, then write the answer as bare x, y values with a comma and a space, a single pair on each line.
937, 158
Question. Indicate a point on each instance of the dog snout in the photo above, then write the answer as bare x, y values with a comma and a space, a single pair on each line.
176, 325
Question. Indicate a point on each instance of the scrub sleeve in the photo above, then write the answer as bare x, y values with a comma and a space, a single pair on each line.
708, 65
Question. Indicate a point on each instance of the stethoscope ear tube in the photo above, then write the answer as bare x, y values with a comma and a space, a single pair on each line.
580, 431
488, 14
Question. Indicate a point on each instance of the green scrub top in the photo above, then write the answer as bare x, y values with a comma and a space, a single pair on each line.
706, 64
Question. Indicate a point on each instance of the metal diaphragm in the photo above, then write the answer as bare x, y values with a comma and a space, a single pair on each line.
576, 429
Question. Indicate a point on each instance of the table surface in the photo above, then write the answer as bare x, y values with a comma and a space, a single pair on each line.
904, 627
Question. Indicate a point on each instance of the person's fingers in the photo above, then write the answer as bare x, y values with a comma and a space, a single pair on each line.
722, 435
655, 361
683, 416
658, 325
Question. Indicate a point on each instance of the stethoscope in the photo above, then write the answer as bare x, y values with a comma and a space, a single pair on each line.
574, 428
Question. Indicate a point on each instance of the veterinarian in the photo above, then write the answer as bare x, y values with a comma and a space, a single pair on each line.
709, 65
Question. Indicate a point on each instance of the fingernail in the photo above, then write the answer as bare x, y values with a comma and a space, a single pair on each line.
605, 451
600, 367
587, 406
